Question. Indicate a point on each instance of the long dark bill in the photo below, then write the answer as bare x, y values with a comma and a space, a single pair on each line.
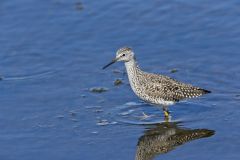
113, 61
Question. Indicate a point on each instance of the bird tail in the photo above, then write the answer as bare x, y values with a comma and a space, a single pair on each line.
204, 91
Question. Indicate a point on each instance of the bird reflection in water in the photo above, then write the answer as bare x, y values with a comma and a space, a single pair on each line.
164, 137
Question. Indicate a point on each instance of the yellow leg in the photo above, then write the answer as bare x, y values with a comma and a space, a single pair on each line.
166, 113
167, 116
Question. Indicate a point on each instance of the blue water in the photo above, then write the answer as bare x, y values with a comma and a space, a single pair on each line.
52, 52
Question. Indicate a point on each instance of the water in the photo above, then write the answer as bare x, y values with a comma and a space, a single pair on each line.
52, 52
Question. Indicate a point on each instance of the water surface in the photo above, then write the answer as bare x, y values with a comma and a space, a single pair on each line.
52, 52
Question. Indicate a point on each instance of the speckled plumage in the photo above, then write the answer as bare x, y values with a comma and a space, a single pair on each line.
154, 88
159, 89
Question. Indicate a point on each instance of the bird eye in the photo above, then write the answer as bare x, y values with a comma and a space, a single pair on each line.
123, 54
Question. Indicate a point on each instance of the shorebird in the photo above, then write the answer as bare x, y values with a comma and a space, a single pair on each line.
153, 88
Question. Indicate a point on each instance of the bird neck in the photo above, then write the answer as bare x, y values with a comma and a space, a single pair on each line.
132, 67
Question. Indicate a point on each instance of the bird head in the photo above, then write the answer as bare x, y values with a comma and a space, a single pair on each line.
124, 54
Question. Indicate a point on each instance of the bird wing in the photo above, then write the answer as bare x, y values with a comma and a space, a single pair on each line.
170, 89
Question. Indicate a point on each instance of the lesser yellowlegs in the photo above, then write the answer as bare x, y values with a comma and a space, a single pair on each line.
154, 88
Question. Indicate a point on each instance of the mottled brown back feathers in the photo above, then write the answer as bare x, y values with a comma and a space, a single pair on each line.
168, 89
159, 89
